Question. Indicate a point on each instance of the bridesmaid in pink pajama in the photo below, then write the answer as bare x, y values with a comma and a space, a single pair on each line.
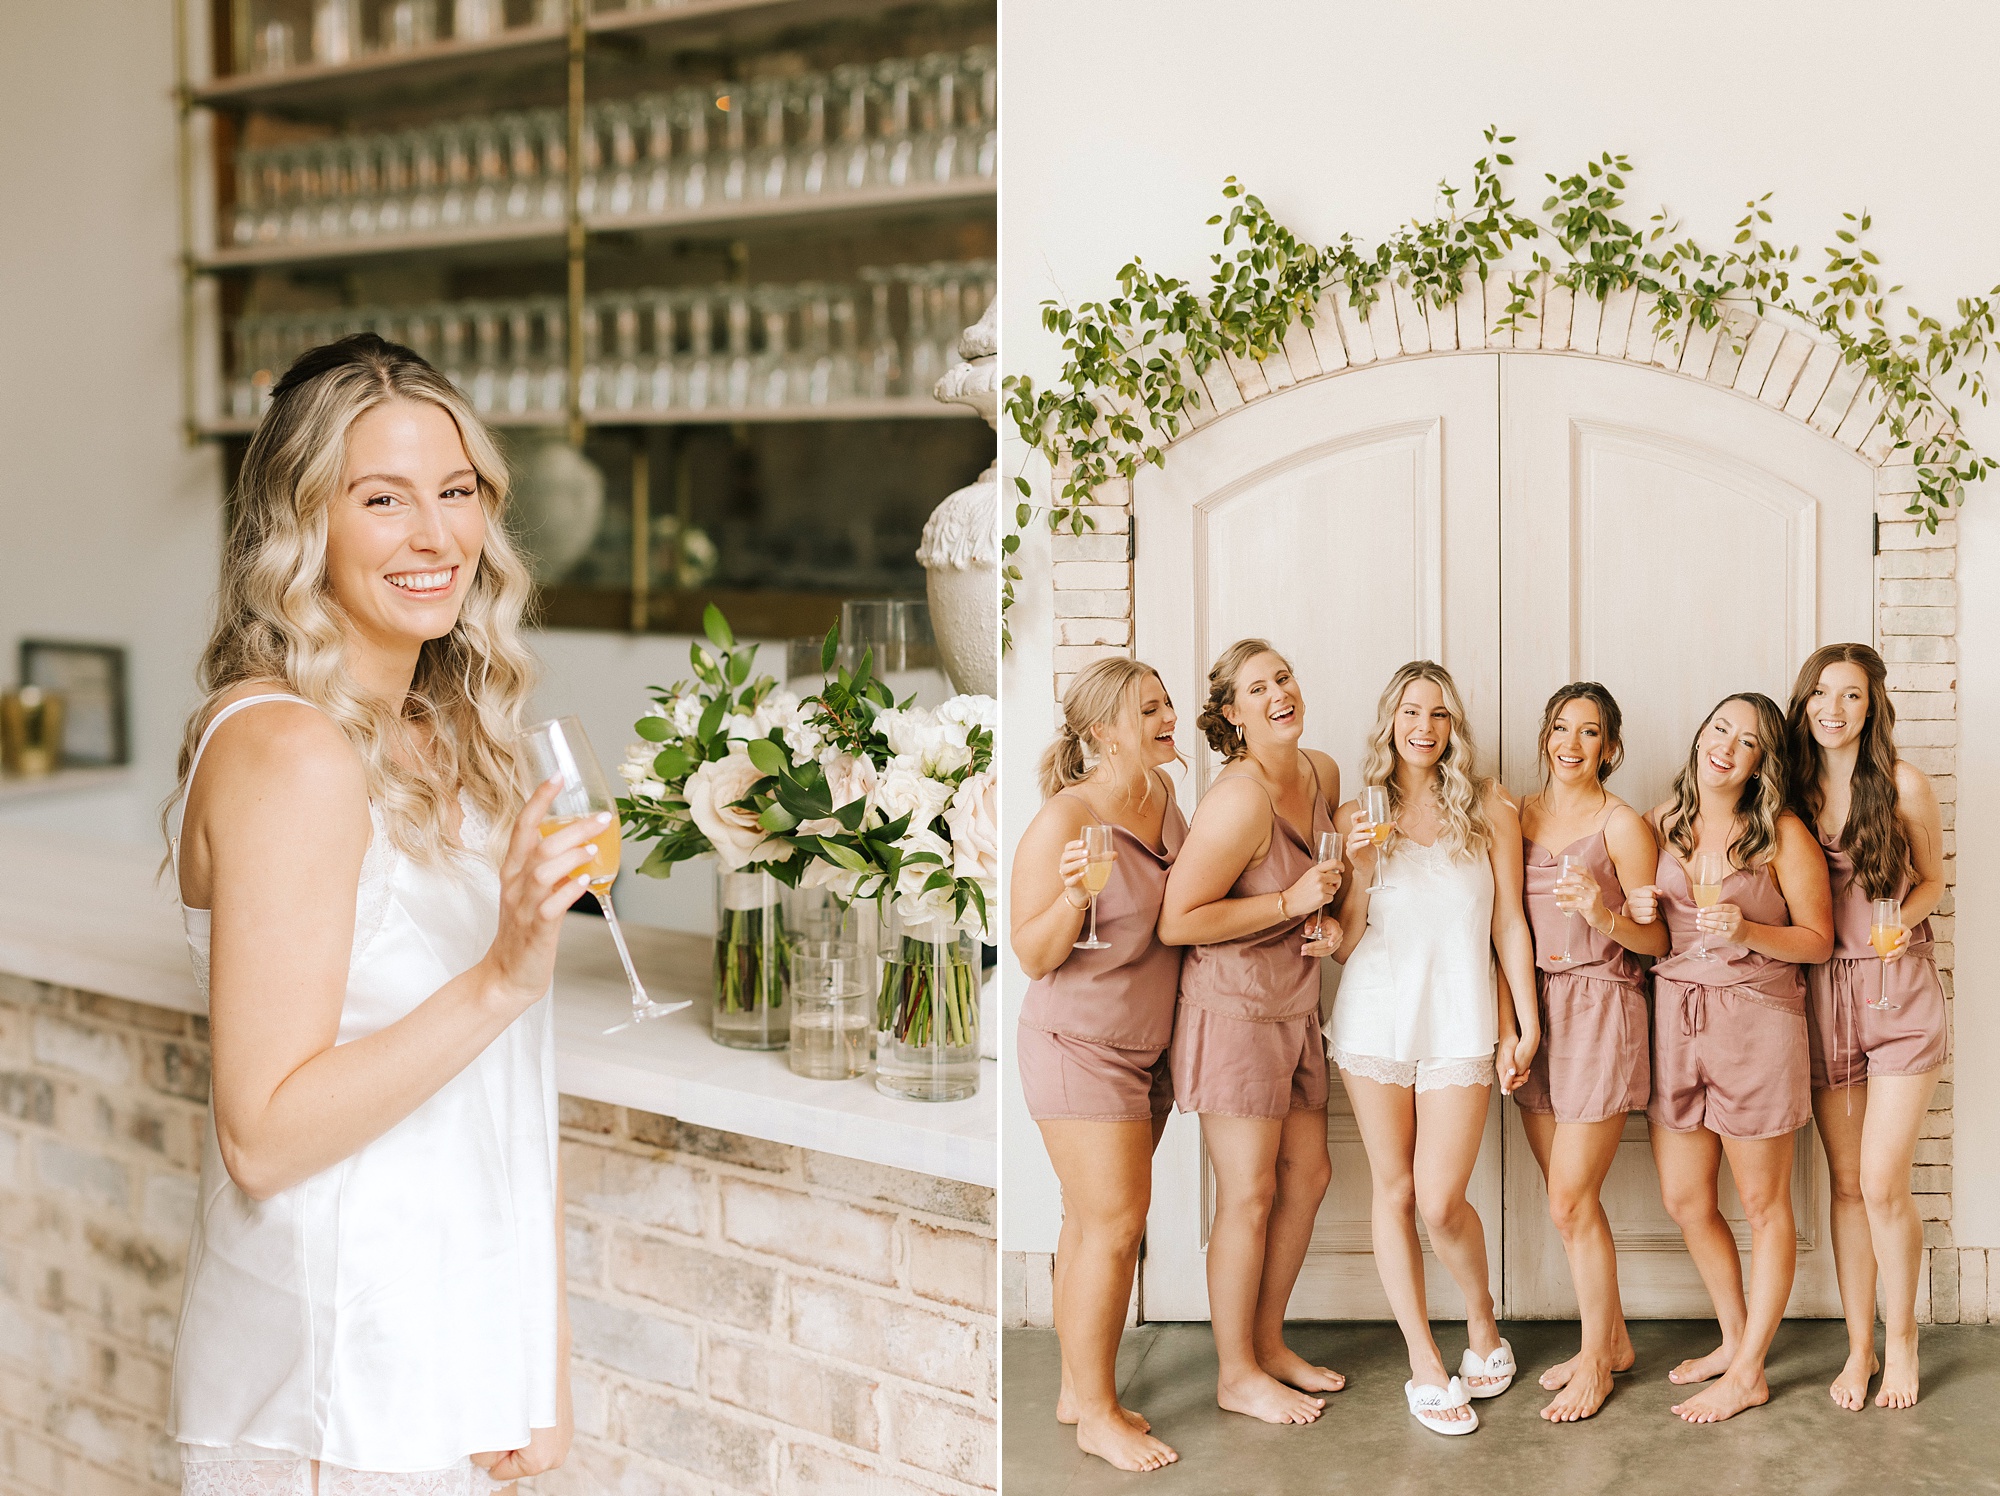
1593, 1066
1877, 1022
1092, 1043
1730, 1063
1247, 1053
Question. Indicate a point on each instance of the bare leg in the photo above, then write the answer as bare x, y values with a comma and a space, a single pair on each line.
1763, 1171
1841, 1114
1896, 1107
1387, 1118
1066, 1411
1688, 1163
1303, 1173
1106, 1170
1244, 1152
1575, 1158
1450, 1122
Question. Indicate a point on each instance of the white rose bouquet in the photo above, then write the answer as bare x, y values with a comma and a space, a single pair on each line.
703, 781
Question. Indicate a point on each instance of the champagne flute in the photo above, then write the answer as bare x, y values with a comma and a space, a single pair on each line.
1375, 816
1569, 865
1885, 927
1329, 851
1705, 877
1097, 846
559, 749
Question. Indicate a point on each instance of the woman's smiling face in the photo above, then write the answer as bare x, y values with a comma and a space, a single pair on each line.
1268, 705
1576, 742
1421, 730
1837, 710
1728, 752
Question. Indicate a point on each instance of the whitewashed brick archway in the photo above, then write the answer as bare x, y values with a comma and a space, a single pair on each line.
1779, 366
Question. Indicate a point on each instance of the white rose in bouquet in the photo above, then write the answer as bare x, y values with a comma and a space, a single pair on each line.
849, 778
974, 819
845, 883
686, 715
905, 790
913, 900
971, 711
637, 772
737, 837
926, 741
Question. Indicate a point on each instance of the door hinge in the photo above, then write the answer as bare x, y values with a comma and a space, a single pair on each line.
1876, 541
1131, 536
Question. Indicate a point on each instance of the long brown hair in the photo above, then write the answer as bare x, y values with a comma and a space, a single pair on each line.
1873, 836
1609, 720
1763, 799
1102, 692
1224, 736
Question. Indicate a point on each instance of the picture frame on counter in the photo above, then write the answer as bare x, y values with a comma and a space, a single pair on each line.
91, 678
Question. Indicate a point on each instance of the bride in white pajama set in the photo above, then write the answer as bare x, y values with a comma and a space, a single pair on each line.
374, 1297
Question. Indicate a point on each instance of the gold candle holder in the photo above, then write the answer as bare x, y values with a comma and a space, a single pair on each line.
31, 731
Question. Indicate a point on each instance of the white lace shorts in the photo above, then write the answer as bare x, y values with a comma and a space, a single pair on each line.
247, 1470
1425, 1075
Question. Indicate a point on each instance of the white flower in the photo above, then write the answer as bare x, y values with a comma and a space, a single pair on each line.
927, 741
905, 790
849, 778
974, 819
735, 834
913, 900
971, 711
844, 882
686, 714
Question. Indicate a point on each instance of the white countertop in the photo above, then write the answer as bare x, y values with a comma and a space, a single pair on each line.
91, 916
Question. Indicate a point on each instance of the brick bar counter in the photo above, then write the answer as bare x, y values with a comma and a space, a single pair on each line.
775, 1285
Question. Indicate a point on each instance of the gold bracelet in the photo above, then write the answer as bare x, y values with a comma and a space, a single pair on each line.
1282, 916
1079, 908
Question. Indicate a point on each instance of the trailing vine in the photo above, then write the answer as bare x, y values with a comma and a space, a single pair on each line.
1132, 362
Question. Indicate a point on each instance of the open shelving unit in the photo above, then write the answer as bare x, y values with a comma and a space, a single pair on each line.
599, 52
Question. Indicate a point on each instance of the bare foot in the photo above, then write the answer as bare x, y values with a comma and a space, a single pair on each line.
1703, 1368
1116, 1442
1899, 1373
1850, 1388
1066, 1412
1622, 1356
1725, 1399
1294, 1370
1583, 1393
1263, 1396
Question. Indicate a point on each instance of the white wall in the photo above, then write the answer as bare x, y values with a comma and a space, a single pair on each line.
1343, 117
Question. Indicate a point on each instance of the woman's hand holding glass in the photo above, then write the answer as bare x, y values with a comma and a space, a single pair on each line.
1075, 869
1720, 922
540, 877
1578, 893
1362, 849
1316, 890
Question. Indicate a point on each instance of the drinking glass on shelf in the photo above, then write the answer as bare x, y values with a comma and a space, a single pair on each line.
733, 121
488, 150
881, 372
409, 24
523, 170
832, 1027
553, 394
737, 372
552, 130
698, 376
1706, 874
691, 109
813, 367
1885, 928
920, 356
336, 31
245, 211
1327, 851
1569, 865
618, 191
625, 373
810, 161
559, 749
454, 155
1100, 849
892, 157
771, 162
520, 393
771, 370
301, 194
982, 66
1374, 808
661, 385
656, 120
851, 84
844, 372
274, 51
477, 20
551, 12
487, 387
939, 141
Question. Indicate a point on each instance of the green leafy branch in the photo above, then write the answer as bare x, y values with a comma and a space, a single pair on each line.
1132, 364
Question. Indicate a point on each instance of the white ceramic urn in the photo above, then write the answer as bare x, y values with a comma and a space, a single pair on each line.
961, 545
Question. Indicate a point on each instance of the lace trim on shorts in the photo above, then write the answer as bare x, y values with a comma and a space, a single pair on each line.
244, 1470
1425, 1075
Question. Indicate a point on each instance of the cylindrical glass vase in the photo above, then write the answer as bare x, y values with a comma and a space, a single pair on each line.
747, 1005
833, 1030
927, 1012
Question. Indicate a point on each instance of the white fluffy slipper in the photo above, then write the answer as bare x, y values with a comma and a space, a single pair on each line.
1499, 1364
1426, 1403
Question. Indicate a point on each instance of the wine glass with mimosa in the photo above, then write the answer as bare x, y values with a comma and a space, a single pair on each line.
1885, 928
1381, 826
1705, 876
559, 749
1098, 847
1569, 865
1329, 851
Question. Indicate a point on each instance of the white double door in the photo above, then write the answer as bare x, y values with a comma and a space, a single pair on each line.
1528, 520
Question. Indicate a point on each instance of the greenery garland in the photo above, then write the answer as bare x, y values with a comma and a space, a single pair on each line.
1129, 377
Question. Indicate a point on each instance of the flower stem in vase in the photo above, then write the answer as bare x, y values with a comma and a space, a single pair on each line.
928, 1017
751, 965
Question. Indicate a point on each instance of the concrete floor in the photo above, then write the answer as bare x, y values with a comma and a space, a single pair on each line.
1367, 1442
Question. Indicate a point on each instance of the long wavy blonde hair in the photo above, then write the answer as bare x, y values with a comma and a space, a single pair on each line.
1458, 787
276, 617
